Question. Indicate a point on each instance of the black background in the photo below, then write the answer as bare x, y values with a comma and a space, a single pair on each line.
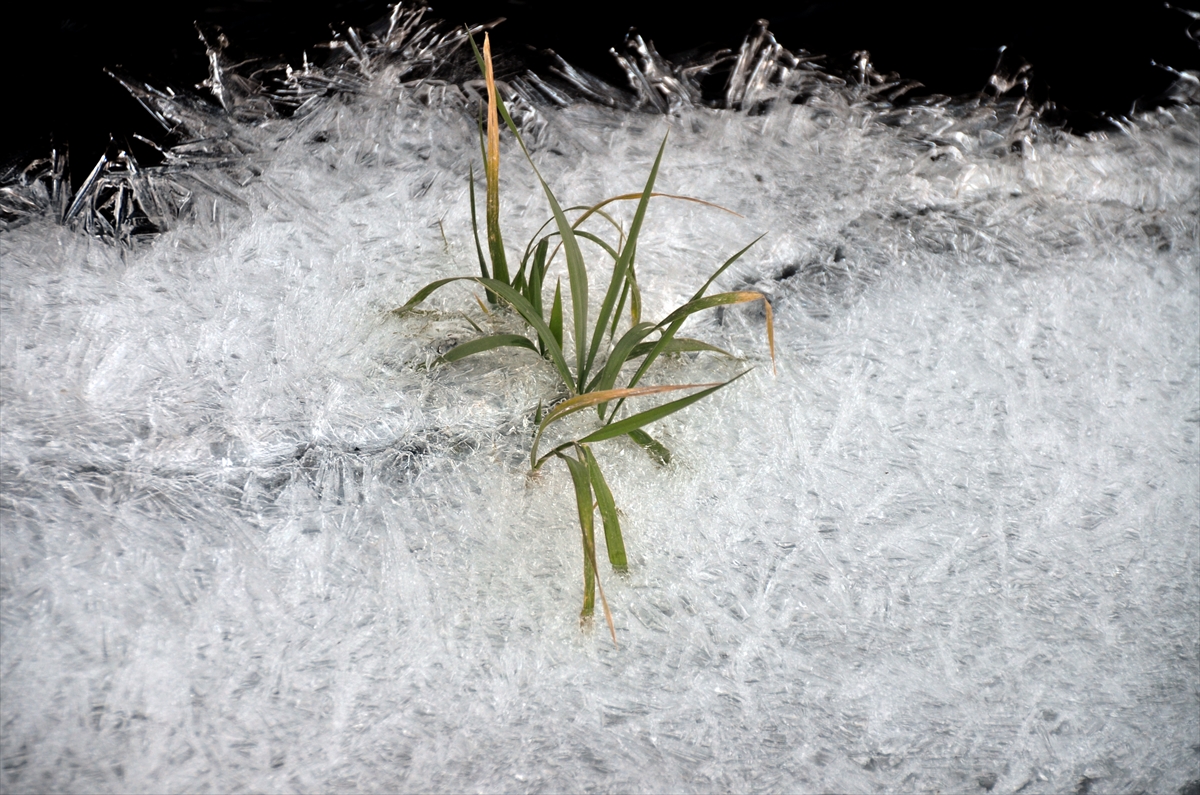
1088, 61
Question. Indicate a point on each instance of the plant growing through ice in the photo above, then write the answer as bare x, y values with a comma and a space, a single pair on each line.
590, 379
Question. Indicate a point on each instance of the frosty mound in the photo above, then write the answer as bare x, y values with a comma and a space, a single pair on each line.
255, 538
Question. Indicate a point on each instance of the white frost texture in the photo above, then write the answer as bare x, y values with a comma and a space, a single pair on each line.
251, 543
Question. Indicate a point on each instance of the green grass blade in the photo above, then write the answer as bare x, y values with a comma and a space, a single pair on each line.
636, 421
678, 345
427, 291
488, 343
581, 219
578, 281
599, 241
624, 197
724, 299
661, 343
518, 302
583, 501
533, 289
537, 275
556, 314
589, 399
576, 270
657, 450
475, 49
674, 320
728, 262
581, 476
612, 332
635, 299
709, 302
617, 283
483, 268
620, 354
608, 513
533, 318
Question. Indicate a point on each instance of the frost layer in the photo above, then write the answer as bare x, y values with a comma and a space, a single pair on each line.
953, 545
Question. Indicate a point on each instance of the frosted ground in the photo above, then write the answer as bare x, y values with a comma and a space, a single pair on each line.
952, 544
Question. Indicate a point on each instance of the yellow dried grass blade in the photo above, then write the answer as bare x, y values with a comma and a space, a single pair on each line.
492, 170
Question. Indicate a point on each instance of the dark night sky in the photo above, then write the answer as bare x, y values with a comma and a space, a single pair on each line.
1086, 61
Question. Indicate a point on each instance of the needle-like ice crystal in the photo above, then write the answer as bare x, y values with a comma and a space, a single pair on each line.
251, 543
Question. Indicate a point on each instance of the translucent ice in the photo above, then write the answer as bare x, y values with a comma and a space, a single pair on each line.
953, 545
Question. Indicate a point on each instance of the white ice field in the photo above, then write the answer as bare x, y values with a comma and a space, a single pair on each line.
952, 545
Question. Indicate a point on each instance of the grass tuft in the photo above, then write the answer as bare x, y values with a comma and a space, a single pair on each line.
591, 377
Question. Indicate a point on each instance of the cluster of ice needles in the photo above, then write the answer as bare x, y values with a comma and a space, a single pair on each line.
252, 542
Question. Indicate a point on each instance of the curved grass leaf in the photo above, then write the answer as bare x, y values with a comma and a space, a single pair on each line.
621, 353
617, 282
488, 343
578, 281
581, 476
427, 291
589, 399
599, 241
608, 513
657, 450
708, 302
674, 320
518, 302
575, 225
625, 197
636, 421
534, 318
678, 345
724, 266
609, 250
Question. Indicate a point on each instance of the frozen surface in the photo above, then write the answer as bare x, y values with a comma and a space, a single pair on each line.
953, 545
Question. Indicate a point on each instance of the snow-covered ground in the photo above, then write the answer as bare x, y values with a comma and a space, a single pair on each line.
953, 545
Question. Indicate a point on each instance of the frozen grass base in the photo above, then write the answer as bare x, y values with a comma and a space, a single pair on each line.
952, 546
